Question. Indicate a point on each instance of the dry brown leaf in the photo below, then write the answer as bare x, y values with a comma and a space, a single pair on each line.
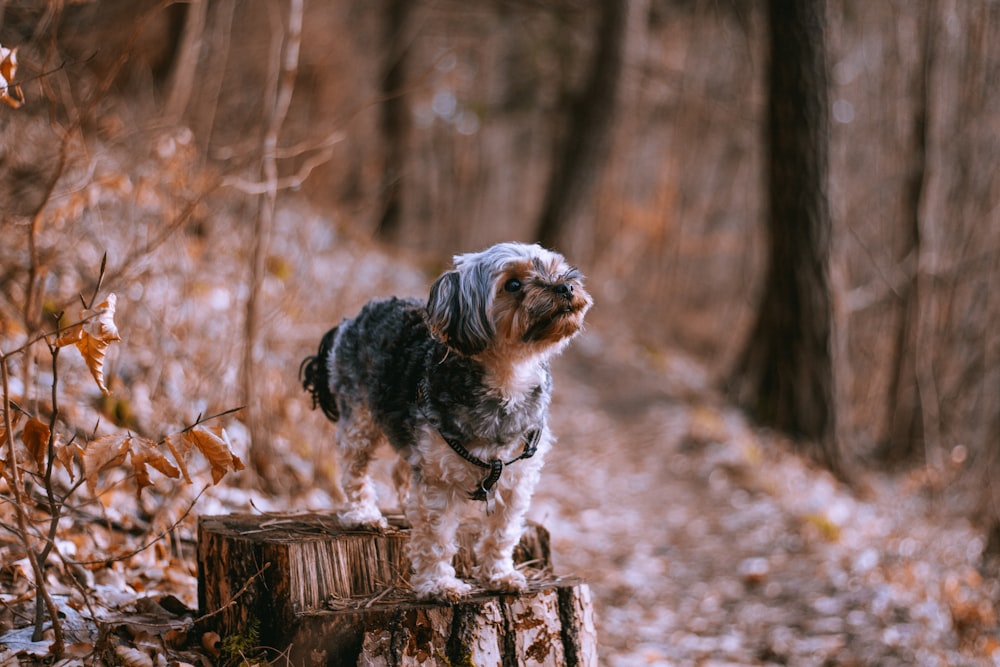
113, 450
10, 92
93, 351
15, 417
212, 642
103, 453
78, 650
69, 336
132, 657
93, 337
36, 439
65, 454
180, 448
144, 453
214, 445
98, 332
100, 321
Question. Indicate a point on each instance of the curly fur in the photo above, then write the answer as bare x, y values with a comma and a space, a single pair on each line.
316, 380
471, 365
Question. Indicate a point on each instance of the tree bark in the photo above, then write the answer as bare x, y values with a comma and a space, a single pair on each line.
394, 116
785, 375
905, 438
585, 144
330, 596
183, 75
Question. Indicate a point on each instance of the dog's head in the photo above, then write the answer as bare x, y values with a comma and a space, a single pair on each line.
511, 299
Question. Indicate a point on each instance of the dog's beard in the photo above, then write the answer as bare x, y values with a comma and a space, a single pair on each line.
541, 318
553, 328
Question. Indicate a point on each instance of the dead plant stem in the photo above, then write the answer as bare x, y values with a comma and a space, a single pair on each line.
20, 512
282, 81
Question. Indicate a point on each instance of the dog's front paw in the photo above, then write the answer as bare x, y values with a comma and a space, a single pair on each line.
509, 581
442, 589
362, 517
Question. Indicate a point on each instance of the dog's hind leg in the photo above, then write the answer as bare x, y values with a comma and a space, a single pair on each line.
357, 439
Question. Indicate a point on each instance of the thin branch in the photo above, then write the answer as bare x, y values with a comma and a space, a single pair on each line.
284, 86
163, 533
201, 420
286, 183
22, 522
49, 72
100, 280
33, 231
39, 337
54, 508
121, 274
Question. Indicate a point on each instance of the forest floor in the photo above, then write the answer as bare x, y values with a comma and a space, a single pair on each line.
705, 540
709, 542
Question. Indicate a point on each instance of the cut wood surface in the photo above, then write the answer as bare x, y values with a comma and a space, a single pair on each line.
330, 596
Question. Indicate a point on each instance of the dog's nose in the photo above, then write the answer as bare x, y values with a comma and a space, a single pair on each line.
564, 289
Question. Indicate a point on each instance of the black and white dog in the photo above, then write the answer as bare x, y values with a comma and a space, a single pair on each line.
460, 388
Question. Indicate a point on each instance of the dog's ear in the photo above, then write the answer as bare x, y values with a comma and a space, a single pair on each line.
442, 305
456, 314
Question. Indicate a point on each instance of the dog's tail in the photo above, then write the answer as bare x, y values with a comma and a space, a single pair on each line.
314, 373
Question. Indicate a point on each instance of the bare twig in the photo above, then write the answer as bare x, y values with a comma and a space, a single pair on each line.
123, 272
22, 523
135, 552
54, 508
39, 337
201, 420
288, 182
100, 281
283, 87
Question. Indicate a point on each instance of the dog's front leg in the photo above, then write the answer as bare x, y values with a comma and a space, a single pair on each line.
502, 529
433, 515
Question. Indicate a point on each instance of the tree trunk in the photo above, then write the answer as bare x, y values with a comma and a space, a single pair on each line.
394, 118
785, 376
905, 441
184, 74
329, 596
585, 144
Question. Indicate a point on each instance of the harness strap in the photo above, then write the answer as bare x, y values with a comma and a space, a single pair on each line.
495, 466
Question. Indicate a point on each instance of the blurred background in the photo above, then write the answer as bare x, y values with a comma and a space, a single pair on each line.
257, 170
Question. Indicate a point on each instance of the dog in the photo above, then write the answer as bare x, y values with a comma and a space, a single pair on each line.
460, 387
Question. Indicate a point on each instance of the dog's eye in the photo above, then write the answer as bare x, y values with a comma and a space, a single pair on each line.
512, 286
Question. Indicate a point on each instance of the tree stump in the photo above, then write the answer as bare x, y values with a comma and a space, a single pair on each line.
325, 595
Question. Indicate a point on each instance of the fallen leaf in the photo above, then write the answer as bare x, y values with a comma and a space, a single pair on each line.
175, 638
79, 650
133, 657
212, 643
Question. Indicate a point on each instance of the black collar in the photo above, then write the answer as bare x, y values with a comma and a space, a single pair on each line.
495, 466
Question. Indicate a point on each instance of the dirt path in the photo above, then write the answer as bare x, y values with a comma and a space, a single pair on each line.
706, 543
